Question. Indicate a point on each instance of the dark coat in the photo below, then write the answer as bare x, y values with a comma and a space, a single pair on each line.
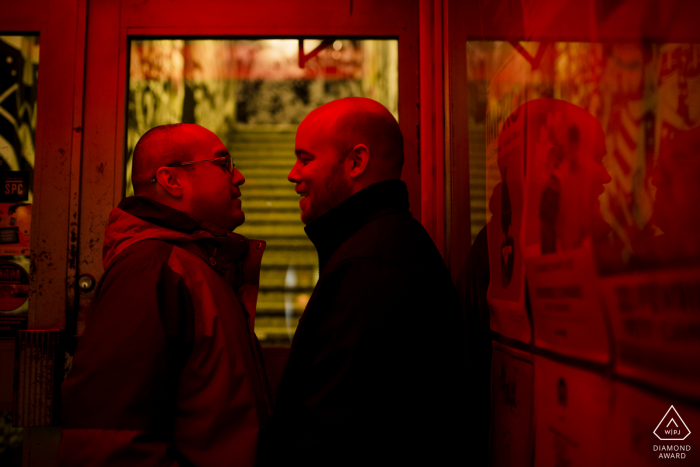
376, 373
168, 368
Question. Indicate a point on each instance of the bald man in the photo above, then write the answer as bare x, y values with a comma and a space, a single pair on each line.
376, 370
168, 370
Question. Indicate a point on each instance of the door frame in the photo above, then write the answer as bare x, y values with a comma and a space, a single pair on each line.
60, 25
106, 83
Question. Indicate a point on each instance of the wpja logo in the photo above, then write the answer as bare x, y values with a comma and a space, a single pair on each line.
672, 428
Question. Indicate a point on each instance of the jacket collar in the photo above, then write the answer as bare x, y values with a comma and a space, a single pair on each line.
138, 218
167, 217
333, 228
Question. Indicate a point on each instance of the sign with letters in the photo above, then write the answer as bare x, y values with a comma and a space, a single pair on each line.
15, 186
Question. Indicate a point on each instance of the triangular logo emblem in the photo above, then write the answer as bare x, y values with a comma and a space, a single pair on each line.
672, 427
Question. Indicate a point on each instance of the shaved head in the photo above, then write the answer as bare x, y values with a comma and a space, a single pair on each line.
160, 146
357, 120
207, 188
343, 147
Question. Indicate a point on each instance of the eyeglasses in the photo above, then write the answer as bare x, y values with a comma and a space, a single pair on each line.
229, 164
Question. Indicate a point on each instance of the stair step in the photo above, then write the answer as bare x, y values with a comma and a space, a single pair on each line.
261, 203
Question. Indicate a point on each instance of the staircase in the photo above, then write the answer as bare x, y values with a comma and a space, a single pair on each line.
265, 155
477, 177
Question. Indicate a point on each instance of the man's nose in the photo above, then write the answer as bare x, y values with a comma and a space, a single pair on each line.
237, 178
294, 173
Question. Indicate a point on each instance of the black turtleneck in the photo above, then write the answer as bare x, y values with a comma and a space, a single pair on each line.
382, 332
333, 228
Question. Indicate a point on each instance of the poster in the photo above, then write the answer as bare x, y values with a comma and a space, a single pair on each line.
572, 414
565, 176
656, 327
517, 81
512, 432
14, 286
15, 229
566, 305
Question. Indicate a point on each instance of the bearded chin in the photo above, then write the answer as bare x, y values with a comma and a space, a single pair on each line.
335, 191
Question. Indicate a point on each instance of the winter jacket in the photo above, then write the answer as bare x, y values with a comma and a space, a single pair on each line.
376, 373
168, 370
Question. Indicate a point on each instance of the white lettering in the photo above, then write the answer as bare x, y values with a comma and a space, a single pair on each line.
671, 447
671, 455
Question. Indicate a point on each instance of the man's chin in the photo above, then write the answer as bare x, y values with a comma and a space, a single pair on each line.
306, 217
238, 219
309, 215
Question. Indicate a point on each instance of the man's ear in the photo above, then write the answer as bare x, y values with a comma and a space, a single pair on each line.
167, 179
358, 160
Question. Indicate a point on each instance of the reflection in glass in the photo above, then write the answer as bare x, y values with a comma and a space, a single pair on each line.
253, 94
644, 96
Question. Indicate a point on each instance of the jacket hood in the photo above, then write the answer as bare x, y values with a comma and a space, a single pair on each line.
138, 218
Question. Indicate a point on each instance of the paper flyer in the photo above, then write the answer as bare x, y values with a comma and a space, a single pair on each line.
566, 305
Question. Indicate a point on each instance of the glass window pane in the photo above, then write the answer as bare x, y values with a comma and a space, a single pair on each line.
253, 94
645, 98
19, 68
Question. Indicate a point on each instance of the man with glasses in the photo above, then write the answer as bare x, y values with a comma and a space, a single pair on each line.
168, 370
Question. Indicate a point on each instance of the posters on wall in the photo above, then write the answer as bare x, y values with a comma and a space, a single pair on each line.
604, 192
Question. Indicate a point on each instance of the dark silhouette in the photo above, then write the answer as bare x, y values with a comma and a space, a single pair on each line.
376, 374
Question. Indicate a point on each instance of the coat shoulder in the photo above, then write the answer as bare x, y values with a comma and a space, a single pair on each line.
395, 239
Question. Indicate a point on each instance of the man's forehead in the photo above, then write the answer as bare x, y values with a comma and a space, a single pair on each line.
313, 133
204, 144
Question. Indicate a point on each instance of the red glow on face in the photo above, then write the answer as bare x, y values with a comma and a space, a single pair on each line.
319, 170
214, 193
